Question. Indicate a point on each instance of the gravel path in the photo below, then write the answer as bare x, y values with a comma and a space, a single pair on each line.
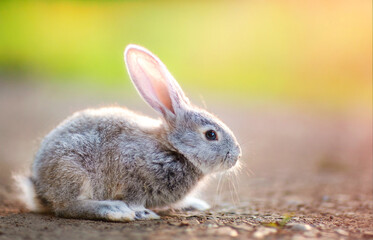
305, 174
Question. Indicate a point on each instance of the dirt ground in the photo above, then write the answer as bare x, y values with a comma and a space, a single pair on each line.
306, 172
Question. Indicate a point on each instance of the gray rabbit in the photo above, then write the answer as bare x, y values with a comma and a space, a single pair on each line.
112, 164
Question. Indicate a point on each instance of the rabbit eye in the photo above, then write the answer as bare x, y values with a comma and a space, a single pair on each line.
211, 135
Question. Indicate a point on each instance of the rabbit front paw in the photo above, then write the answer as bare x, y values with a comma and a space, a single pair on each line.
192, 203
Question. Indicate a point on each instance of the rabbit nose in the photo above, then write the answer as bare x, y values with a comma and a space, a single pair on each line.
239, 152
229, 155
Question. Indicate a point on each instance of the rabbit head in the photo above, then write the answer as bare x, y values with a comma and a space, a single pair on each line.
198, 135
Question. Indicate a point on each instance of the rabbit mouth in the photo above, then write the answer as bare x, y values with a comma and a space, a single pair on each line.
226, 156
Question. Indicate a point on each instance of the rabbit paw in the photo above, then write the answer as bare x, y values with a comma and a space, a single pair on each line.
192, 203
116, 211
142, 213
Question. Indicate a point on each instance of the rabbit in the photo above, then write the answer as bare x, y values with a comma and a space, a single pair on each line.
115, 165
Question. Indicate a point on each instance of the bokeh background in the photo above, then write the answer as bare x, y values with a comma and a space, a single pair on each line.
293, 79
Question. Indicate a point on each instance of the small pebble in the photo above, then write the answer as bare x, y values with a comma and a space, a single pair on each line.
184, 223
341, 232
243, 227
226, 231
210, 224
311, 234
263, 231
299, 227
298, 237
329, 235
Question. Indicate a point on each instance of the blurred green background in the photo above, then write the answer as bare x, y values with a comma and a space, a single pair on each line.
315, 52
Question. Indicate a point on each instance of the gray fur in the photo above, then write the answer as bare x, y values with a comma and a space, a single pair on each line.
111, 163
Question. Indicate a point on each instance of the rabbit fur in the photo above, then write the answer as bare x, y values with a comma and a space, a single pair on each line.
113, 164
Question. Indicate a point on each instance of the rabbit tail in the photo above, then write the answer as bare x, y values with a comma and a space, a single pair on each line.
27, 194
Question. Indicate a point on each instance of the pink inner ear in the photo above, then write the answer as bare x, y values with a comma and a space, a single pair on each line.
154, 73
150, 77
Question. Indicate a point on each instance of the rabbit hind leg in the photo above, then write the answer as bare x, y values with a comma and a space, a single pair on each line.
141, 213
108, 210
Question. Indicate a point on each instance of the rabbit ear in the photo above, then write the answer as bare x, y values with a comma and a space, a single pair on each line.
153, 81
